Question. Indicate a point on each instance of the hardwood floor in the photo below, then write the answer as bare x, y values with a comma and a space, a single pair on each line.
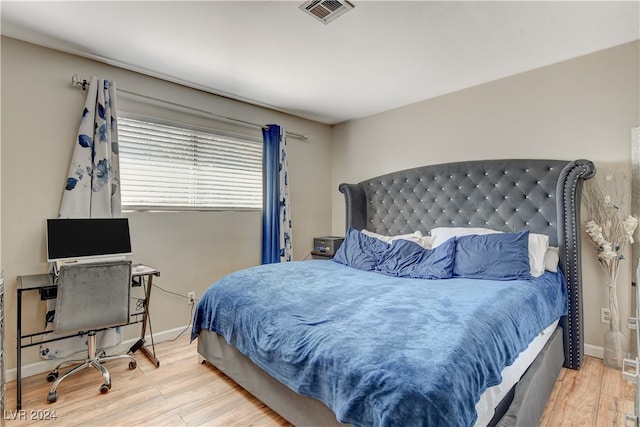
593, 396
184, 393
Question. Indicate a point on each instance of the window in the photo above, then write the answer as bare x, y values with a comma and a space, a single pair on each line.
177, 167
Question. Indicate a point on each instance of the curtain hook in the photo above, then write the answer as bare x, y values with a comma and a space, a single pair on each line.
75, 80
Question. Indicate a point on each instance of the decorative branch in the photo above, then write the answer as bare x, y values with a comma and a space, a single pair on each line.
610, 227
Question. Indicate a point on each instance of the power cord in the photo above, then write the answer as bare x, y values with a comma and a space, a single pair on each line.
140, 305
185, 329
174, 293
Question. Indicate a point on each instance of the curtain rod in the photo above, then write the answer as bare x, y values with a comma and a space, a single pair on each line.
76, 81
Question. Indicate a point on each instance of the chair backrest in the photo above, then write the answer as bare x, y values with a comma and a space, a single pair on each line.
92, 296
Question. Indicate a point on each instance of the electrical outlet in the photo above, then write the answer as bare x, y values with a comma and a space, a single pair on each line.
191, 297
605, 315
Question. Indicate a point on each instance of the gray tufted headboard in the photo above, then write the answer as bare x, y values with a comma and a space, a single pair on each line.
542, 196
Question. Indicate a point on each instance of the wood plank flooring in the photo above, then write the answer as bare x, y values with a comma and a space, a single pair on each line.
184, 393
593, 396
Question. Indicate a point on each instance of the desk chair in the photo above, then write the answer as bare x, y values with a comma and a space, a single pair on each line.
91, 297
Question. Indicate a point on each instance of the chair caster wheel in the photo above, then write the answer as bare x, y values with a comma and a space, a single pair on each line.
52, 376
104, 388
52, 397
133, 365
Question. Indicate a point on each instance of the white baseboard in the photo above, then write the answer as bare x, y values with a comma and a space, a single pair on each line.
48, 365
594, 350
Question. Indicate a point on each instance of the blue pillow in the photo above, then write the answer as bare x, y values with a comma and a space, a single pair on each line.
360, 251
408, 259
501, 256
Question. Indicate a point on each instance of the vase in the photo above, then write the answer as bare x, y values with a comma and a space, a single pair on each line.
615, 342
615, 347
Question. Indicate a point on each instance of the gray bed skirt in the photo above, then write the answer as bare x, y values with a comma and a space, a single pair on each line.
298, 410
523, 406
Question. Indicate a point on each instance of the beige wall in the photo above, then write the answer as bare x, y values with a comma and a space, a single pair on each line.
40, 116
582, 108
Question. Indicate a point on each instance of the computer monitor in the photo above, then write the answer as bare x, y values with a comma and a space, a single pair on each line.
87, 239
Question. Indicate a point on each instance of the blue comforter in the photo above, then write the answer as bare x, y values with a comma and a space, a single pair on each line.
380, 350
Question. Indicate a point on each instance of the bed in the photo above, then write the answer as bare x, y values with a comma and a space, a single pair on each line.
418, 330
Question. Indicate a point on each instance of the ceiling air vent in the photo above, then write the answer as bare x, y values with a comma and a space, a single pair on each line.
326, 11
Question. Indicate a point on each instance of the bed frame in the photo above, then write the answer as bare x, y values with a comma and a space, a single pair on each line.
542, 196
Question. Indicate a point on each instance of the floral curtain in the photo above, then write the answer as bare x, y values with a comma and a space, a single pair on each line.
276, 217
92, 188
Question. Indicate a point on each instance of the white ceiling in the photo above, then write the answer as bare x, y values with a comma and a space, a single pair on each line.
378, 56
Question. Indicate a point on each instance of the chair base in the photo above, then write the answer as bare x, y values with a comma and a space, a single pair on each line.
92, 360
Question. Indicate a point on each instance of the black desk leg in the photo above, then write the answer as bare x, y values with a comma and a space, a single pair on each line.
19, 354
151, 354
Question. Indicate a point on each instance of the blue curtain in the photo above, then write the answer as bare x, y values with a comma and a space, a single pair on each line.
276, 217
92, 188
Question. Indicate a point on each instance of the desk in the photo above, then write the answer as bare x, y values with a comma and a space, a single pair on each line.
44, 284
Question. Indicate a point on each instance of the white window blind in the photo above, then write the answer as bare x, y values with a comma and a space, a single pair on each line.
171, 167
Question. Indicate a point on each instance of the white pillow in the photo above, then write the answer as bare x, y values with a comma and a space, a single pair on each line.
538, 243
439, 235
551, 259
381, 237
416, 236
